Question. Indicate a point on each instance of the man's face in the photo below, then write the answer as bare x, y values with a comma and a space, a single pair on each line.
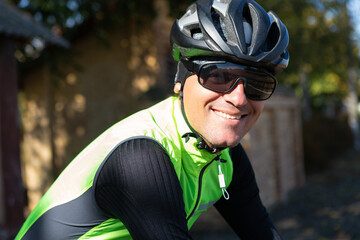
222, 119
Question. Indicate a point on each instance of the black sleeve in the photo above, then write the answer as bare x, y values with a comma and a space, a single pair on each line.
139, 186
244, 210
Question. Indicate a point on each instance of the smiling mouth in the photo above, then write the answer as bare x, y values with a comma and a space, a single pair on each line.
228, 116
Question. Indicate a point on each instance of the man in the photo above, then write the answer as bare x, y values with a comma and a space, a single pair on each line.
151, 175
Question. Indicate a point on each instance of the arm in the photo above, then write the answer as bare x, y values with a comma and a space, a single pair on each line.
244, 211
139, 186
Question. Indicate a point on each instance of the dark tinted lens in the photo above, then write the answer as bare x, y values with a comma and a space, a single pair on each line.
259, 85
222, 77
216, 78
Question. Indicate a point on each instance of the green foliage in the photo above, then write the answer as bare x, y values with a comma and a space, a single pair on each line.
74, 18
320, 39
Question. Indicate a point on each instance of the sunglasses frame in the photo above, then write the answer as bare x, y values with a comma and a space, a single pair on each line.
196, 68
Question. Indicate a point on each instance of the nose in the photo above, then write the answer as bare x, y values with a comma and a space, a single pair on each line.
237, 96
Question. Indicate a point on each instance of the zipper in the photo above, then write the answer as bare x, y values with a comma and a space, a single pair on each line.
200, 183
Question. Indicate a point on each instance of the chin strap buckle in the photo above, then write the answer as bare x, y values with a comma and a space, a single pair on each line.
203, 145
188, 135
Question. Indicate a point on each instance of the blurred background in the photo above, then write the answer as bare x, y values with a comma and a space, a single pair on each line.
69, 69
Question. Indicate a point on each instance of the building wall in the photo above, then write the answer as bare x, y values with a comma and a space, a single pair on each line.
61, 115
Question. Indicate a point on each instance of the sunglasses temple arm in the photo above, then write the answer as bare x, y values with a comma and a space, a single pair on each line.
188, 65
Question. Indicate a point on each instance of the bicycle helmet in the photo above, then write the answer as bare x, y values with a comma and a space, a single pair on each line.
239, 31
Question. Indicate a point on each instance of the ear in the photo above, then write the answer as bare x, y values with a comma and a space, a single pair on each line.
177, 87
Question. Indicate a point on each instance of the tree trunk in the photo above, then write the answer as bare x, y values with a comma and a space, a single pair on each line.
162, 26
12, 188
304, 82
352, 105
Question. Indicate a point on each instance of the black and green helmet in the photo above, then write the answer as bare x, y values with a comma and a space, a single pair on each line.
239, 31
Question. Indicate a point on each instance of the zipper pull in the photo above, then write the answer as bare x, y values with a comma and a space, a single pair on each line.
222, 182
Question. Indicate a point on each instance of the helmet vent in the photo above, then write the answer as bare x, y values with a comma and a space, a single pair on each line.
247, 15
196, 34
272, 38
224, 1
248, 24
219, 24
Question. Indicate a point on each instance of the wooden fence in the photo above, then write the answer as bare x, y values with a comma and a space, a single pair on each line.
275, 149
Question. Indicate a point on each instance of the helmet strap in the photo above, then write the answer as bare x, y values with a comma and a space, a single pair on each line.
182, 74
201, 143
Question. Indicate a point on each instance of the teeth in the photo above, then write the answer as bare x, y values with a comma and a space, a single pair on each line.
225, 115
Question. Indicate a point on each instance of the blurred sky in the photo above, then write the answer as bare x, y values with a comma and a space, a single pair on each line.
354, 7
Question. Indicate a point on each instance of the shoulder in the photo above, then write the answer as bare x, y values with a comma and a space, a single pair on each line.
135, 167
239, 156
243, 170
136, 146
134, 151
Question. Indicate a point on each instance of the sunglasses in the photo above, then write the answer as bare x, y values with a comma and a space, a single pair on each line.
223, 77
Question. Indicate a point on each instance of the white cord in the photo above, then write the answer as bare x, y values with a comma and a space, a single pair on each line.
222, 183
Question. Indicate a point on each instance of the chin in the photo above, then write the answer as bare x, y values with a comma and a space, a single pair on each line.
223, 139
231, 145
224, 144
